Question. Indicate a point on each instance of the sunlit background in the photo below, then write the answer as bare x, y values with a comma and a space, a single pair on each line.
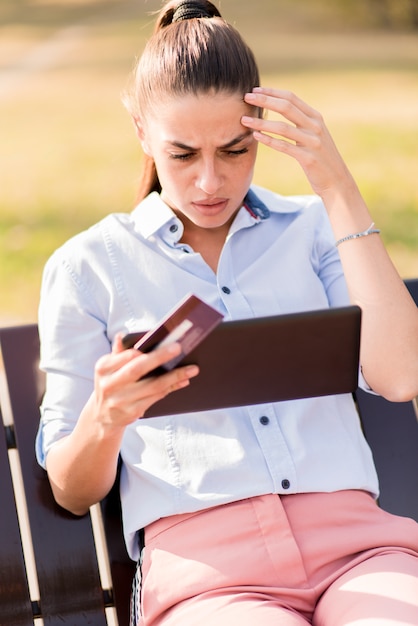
68, 153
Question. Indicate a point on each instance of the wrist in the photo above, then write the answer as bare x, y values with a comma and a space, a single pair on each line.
347, 212
364, 233
97, 426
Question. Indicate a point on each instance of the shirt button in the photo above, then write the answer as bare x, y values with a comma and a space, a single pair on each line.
226, 290
173, 228
264, 420
285, 483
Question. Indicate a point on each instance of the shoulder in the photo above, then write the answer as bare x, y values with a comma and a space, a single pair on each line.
306, 213
86, 258
288, 204
93, 240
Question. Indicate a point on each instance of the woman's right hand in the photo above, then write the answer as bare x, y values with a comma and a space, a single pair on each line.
82, 465
123, 391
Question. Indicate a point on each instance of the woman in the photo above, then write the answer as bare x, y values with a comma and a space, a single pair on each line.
259, 514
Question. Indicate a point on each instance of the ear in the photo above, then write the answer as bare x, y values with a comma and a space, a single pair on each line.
141, 134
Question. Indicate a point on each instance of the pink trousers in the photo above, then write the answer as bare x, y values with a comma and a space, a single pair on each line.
324, 559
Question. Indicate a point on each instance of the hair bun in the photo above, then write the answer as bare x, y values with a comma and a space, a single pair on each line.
190, 9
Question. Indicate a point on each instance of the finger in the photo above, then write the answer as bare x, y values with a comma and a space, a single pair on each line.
125, 395
286, 96
170, 381
117, 344
130, 365
291, 140
151, 390
281, 145
286, 104
147, 362
282, 129
113, 362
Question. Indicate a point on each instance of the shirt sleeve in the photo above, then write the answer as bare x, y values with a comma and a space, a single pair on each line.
327, 261
73, 336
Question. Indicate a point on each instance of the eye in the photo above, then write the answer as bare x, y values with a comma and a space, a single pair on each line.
182, 156
236, 152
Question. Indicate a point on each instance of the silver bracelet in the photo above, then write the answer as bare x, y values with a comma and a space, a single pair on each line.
369, 231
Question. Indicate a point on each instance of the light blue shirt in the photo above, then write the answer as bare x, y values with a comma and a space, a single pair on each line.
124, 274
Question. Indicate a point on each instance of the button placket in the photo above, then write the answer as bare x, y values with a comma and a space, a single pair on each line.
273, 447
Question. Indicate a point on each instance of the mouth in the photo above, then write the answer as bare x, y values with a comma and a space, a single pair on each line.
209, 207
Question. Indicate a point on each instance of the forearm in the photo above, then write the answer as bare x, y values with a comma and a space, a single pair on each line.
389, 346
82, 466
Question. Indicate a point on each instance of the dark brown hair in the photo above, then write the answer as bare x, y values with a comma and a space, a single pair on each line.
193, 50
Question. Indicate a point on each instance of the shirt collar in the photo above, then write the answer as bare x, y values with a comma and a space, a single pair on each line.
255, 206
152, 213
282, 204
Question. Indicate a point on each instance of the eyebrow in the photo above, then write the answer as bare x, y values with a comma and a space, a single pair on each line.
230, 144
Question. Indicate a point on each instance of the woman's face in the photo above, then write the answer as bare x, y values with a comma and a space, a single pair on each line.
204, 156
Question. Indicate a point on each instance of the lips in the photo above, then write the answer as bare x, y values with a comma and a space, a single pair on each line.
211, 206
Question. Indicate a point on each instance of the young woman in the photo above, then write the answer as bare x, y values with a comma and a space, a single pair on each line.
258, 514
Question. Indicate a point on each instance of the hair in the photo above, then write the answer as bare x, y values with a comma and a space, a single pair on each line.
193, 50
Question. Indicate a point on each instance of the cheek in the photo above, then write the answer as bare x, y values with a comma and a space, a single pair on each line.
246, 168
172, 177
164, 166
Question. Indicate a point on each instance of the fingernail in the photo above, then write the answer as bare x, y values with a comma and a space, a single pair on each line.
192, 370
250, 96
246, 119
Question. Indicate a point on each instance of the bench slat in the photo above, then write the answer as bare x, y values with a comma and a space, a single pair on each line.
121, 566
15, 604
64, 547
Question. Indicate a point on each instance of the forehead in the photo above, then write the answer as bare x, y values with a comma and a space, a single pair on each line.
214, 117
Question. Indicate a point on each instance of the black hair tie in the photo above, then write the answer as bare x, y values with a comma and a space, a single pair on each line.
189, 10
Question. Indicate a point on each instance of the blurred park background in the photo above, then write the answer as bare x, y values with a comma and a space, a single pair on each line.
68, 153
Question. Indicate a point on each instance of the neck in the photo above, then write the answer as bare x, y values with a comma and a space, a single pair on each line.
208, 242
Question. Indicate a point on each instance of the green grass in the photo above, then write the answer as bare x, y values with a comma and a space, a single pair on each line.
69, 154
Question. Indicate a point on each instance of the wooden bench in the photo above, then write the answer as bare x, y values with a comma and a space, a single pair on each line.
68, 577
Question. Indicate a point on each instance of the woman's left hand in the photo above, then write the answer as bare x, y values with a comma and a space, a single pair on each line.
389, 342
302, 134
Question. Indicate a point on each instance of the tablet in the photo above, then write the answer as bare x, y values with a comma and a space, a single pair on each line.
271, 359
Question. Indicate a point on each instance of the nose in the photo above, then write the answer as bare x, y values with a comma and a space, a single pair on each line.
209, 177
